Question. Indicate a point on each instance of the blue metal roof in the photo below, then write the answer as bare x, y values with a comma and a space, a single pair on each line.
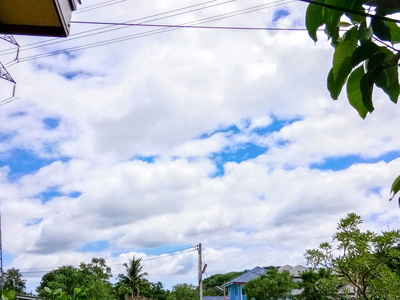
249, 275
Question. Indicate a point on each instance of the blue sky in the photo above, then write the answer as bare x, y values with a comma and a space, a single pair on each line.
166, 140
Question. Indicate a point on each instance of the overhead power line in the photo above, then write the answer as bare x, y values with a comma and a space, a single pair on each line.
192, 26
165, 28
147, 19
40, 270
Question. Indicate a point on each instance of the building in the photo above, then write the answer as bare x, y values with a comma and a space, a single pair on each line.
39, 17
235, 286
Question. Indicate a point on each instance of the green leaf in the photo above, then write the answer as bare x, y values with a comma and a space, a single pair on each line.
394, 32
367, 84
335, 85
363, 52
314, 19
47, 289
388, 81
395, 187
343, 51
344, 24
57, 291
365, 33
381, 29
377, 60
354, 91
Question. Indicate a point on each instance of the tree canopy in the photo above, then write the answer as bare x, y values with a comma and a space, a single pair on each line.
319, 284
184, 292
212, 285
364, 55
131, 283
274, 285
12, 281
94, 277
361, 259
364, 36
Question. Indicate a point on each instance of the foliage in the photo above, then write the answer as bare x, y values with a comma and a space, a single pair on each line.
364, 55
361, 260
319, 285
211, 284
58, 294
9, 295
154, 291
274, 285
184, 292
12, 281
93, 276
131, 283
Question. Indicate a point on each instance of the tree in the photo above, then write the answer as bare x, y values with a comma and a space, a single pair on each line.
274, 285
365, 56
184, 292
361, 259
212, 285
154, 291
91, 278
131, 283
319, 285
12, 281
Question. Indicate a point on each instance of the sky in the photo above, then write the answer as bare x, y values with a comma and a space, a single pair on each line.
146, 141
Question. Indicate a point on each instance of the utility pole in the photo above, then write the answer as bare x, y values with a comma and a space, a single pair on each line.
1, 260
201, 271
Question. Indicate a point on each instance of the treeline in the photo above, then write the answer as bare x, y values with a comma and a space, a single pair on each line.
91, 281
356, 264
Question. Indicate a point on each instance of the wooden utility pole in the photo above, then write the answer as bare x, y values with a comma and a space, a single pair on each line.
202, 269
200, 273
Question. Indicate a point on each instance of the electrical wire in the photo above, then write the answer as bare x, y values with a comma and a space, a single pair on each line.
169, 28
79, 35
97, 6
121, 262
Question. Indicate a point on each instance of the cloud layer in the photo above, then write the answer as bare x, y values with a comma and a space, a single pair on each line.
169, 139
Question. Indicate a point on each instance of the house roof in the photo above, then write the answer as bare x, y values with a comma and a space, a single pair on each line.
257, 271
294, 271
249, 275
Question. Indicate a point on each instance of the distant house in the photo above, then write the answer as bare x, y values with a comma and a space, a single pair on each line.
235, 286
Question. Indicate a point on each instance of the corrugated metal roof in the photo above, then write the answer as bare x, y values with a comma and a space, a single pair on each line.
257, 271
294, 271
249, 275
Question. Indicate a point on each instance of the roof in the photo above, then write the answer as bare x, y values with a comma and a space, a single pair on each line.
294, 271
249, 275
257, 271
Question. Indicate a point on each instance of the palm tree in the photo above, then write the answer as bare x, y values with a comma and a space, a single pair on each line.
133, 280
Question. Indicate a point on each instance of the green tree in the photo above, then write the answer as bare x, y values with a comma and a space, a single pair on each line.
154, 291
184, 292
319, 285
131, 283
365, 56
92, 277
12, 281
274, 285
361, 259
213, 284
